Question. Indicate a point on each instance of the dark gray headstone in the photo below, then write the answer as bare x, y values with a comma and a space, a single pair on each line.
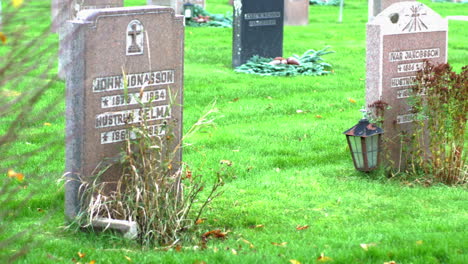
399, 40
258, 29
147, 44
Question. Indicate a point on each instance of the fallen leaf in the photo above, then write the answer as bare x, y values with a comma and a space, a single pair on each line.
216, 233
226, 162
200, 221
92, 262
128, 258
199, 261
12, 174
351, 100
178, 248
40, 210
323, 258
282, 244
3, 38
47, 124
17, 3
390, 262
248, 243
235, 99
293, 261
299, 227
367, 246
256, 226
233, 251
215, 249
318, 116
419, 242
188, 174
81, 255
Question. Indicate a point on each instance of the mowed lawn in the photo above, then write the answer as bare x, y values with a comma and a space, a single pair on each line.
291, 192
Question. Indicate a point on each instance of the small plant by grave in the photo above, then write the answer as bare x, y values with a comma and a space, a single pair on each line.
438, 151
203, 18
310, 63
163, 200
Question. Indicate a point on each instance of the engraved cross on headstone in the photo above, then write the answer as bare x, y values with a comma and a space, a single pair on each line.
134, 47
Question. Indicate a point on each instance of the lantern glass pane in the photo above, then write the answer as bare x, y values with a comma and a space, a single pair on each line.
372, 148
356, 149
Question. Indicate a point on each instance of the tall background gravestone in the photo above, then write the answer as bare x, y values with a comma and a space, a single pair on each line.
398, 41
67, 10
377, 6
296, 12
258, 29
140, 45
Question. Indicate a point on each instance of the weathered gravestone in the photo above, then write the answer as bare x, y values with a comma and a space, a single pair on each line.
63, 10
138, 46
377, 6
296, 12
67, 10
258, 29
398, 41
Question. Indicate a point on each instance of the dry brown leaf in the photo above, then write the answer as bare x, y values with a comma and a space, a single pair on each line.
293, 261
299, 227
390, 262
351, 100
81, 255
200, 221
92, 262
199, 262
367, 246
178, 248
282, 244
248, 243
12, 174
318, 116
256, 226
128, 258
3, 38
216, 233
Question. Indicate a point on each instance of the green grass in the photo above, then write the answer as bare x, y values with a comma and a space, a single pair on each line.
291, 169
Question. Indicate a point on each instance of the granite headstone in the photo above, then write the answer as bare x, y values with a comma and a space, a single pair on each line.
258, 29
140, 46
398, 41
296, 12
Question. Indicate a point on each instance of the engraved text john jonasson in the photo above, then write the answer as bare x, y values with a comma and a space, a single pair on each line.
112, 83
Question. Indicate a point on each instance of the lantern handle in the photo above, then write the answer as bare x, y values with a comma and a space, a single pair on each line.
364, 112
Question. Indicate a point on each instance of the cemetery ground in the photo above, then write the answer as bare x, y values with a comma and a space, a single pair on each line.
291, 191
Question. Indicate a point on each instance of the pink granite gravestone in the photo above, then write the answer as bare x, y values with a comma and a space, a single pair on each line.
398, 41
296, 12
120, 56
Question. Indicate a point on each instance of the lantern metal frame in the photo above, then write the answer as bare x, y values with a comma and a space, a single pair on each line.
364, 150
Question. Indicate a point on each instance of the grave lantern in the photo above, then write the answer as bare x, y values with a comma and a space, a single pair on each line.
189, 9
364, 143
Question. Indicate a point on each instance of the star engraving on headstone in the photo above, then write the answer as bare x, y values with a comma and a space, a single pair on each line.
134, 47
104, 138
415, 22
105, 101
